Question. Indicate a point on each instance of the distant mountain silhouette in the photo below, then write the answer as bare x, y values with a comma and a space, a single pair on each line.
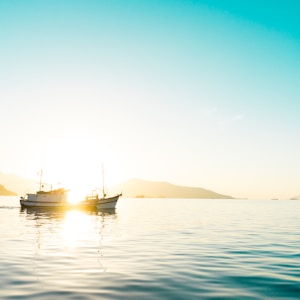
5, 192
138, 188
17, 184
133, 188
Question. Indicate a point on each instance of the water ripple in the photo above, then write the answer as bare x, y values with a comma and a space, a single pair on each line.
152, 249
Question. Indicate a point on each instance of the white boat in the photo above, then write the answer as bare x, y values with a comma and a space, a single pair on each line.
52, 198
45, 198
101, 202
58, 198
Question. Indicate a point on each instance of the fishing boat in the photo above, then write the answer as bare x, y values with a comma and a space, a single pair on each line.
103, 201
45, 196
58, 198
100, 202
51, 198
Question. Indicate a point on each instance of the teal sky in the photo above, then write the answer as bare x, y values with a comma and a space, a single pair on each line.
199, 93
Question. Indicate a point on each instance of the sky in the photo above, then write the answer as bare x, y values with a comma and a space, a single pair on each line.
197, 93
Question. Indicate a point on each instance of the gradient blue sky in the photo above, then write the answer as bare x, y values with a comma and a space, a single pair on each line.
198, 93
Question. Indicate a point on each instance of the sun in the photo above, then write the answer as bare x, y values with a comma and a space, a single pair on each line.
75, 162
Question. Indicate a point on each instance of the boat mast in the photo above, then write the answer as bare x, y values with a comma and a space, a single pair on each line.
41, 176
103, 181
41, 170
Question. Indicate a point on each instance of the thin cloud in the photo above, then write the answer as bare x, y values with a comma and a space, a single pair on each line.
238, 117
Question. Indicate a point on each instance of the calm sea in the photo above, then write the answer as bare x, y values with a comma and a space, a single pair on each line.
152, 249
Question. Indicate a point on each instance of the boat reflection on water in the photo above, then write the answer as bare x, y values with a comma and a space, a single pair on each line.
55, 212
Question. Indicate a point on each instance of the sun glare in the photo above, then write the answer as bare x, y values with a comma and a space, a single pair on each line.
75, 163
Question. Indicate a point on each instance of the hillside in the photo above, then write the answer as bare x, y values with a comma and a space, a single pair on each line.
17, 184
132, 188
5, 192
151, 189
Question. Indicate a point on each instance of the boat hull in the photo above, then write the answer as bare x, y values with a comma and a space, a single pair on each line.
110, 202
101, 203
28, 203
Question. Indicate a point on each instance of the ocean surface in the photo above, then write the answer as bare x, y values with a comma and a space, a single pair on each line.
152, 249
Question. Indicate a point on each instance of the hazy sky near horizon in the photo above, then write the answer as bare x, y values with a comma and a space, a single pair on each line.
199, 93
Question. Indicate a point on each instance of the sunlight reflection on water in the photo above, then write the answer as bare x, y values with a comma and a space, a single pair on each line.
75, 227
